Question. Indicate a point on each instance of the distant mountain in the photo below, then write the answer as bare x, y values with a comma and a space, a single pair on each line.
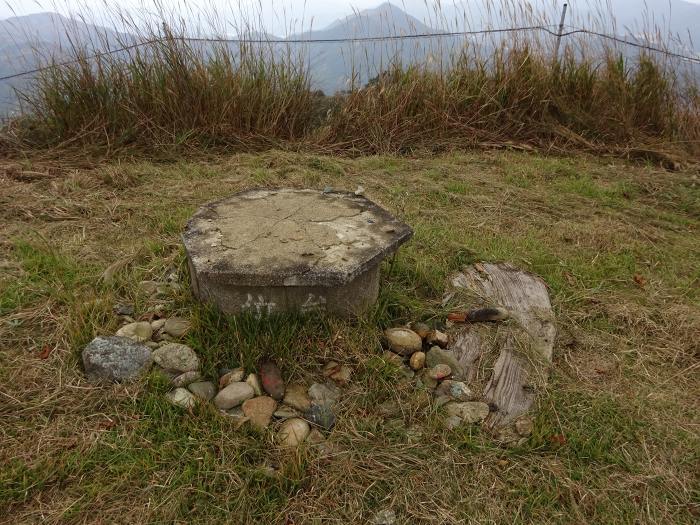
27, 41
336, 66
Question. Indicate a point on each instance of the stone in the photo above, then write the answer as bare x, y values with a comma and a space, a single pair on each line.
259, 411
384, 517
524, 426
324, 394
393, 358
181, 397
272, 381
185, 379
417, 360
403, 341
176, 357
407, 372
414, 434
176, 327
439, 372
321, 415
237, 415
139, 331
285, 412
151, 344
232, 376
342, 375
330, 368
279, 250
158, 324
165, 375
436, 337
442, 400
452, 422
315, 437
112, 358
438, 356
455, 390
296, 397
427, 381
233, 395
469, 412
389, 408
421, 329
293, 432
164, 290
254, 381
125, 310
148, 287
203, 389
235, 412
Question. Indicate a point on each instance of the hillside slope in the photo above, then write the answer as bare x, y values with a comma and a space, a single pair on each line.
615, 438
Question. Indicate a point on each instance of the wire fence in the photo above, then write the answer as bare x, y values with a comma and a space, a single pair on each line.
386, 38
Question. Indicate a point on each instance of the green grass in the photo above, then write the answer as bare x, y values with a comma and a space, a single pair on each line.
615, 437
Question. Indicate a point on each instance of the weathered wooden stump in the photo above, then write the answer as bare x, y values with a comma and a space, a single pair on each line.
511, 360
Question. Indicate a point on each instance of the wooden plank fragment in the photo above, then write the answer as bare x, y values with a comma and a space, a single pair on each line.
523, 344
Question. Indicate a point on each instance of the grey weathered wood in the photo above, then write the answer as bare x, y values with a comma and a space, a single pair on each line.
523, 344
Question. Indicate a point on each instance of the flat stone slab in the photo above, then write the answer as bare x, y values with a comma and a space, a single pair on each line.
276, 250
114, 358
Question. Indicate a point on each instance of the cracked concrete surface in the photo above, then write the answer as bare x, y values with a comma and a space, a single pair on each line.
289, 238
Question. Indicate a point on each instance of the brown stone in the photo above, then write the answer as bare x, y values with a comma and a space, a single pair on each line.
259, 411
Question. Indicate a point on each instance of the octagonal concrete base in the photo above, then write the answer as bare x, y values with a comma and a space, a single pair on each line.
283, 250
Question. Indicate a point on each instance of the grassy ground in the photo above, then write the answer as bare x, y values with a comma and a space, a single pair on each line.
616, 437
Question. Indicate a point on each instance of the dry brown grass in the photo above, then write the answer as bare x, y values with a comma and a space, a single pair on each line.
175, 95
622, 393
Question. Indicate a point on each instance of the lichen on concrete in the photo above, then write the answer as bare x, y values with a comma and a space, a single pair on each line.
289, 238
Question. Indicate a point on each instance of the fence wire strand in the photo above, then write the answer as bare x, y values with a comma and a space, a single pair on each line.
546, 29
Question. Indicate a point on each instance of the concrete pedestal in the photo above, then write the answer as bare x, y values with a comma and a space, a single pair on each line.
283, 250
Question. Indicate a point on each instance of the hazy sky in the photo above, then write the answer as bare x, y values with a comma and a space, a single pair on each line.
277, 14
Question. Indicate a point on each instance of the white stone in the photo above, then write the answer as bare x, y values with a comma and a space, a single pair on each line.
234, 376
293, 432
177, 357
469, 412
254, 381
181, 397
157, 324
233, 395
403, 341
324, 394
176, 327
139, 331
186, 378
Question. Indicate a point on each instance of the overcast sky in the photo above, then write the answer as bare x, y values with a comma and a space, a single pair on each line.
277, 14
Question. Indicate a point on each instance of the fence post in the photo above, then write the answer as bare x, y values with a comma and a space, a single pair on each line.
561, 30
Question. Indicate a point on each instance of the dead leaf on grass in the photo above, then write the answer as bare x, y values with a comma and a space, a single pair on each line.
46, 352
558, 439
640, 280
457, 317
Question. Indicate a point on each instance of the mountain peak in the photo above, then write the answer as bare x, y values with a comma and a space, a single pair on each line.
386, 17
